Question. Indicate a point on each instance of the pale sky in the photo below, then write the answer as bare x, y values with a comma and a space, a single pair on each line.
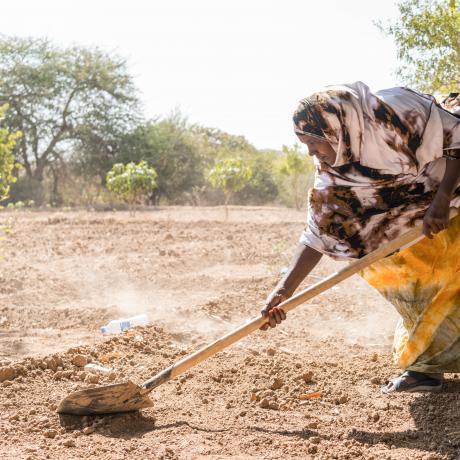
237, 65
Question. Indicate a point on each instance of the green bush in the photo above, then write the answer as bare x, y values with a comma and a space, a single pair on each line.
230, 175
131, 182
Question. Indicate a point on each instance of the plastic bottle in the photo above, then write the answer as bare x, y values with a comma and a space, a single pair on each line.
119, 325
97, 368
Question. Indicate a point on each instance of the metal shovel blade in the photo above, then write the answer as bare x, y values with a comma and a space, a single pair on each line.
109, 399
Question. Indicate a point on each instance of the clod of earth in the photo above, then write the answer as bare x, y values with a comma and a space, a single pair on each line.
79, 360
7, 373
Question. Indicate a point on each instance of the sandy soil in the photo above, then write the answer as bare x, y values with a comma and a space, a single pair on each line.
63, 275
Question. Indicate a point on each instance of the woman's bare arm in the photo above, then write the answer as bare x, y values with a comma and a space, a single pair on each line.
437, 216
303, 262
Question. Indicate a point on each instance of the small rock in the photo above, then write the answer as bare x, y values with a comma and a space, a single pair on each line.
92, 378
376, 380
276, 384
307, 377
375, 417
43, 420
67, 374
273, 406
88, 430
69, 443
79, 360
264, 403
50, 434
341, 400
52, 364
271, 352
7, 373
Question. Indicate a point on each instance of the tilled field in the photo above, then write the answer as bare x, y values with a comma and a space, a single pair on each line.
307, 389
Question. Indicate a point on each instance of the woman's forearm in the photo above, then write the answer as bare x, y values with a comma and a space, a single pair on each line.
303, 262
436, 217
450, 179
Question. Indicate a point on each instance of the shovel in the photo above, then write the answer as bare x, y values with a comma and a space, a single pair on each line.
125, 397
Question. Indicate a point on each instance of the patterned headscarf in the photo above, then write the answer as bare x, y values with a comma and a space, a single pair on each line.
392, 131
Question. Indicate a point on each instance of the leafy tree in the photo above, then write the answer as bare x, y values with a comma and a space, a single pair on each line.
7, 163
63, 98
297, 167
230, 175
219, 144
131, 182
262, 187
427, 37
171, 147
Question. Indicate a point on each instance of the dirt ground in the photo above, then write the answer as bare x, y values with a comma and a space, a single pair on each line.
63, 275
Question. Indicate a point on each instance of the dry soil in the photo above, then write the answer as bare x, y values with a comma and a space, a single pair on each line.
63, 275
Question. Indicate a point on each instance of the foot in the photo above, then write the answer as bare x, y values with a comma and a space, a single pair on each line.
411, 381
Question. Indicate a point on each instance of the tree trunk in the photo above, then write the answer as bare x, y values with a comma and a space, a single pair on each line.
228, 195
55, 196
39, 170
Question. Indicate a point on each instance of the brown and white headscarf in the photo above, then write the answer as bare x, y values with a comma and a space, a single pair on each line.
391, 148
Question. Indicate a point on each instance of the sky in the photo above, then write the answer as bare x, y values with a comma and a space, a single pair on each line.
237, 65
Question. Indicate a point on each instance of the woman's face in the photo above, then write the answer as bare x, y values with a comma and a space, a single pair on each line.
319, 148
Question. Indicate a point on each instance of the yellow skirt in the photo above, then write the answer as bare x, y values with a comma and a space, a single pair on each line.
423, 283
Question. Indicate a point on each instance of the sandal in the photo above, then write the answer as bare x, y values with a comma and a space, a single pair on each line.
421, 382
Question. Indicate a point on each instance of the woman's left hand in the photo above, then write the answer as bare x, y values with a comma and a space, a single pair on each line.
437, 217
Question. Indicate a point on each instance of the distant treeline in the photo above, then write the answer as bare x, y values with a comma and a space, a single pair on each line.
79, 113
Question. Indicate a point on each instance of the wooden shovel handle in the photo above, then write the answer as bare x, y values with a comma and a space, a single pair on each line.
403, 241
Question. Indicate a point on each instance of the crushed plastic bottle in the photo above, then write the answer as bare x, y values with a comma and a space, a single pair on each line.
97, 369
119, 325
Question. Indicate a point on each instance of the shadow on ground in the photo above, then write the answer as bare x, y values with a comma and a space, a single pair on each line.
125, 426
437, 425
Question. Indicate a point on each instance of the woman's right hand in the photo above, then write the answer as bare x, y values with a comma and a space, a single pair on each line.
274, 314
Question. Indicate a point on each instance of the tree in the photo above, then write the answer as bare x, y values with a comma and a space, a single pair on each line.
230, 175
131, 182
297, 167
7, 163
262, 188
171, 147
427, 37
62, 98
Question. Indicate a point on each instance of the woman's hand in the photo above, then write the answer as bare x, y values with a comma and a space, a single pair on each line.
274, 314
437, 216
302, 263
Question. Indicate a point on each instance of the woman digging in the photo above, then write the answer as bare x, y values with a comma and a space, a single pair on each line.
386, 162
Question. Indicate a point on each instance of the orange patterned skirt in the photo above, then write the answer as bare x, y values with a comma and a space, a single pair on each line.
423, 283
